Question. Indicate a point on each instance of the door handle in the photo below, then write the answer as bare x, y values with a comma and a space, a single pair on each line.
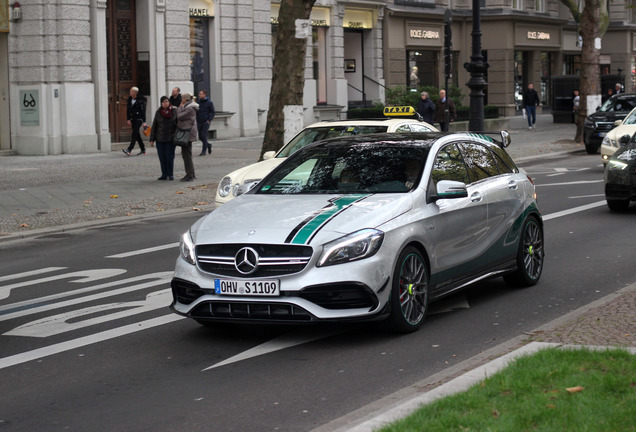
512, 184
475, 197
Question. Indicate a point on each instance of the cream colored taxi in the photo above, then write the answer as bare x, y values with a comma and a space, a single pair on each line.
612, 141
398, 119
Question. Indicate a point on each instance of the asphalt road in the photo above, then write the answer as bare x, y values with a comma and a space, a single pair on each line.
87, 342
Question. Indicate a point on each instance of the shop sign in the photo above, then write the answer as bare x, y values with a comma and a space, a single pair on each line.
358, 19
4, 16
319, 16
201, 8
428, 35
30, 107
540, 36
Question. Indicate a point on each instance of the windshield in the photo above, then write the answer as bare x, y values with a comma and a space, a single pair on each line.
618, 104
309, 135
365, 168
630, 119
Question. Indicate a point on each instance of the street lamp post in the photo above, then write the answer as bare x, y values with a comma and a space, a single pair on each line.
477, 68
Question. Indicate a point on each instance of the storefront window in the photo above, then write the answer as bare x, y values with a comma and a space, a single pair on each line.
422, 69
521, 65
546, 74
199, 54
571, 64
319, 44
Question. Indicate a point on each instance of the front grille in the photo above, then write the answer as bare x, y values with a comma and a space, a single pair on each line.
219, 310
604, 127
346, 295
274, 260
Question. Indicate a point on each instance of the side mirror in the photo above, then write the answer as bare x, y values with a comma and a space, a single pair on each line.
505, 139
246, 187
268, 155
449, 189
624, 140
618, 122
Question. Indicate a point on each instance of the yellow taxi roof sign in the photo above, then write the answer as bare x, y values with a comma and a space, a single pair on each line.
399, 111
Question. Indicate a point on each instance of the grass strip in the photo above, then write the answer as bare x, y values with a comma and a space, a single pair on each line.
553, 390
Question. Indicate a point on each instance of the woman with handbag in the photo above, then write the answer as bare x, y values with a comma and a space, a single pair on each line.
186, 119
162, 132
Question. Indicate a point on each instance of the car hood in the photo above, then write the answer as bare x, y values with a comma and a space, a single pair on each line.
626, 154
609, 116
299, 219
621, 130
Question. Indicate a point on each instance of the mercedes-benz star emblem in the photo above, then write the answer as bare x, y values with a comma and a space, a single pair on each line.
246, 260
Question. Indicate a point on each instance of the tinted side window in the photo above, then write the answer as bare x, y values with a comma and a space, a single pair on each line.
481, 162
449, 165
504, 157
420, 128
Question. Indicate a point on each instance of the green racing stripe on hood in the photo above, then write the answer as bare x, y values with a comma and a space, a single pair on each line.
312, 226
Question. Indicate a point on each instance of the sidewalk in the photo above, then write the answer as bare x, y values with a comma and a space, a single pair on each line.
53, 192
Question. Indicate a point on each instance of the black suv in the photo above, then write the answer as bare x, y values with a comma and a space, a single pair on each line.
602, 121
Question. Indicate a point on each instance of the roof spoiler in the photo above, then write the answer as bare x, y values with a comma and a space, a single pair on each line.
502, 138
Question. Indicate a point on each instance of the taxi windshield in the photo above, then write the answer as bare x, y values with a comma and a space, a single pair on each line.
345, 169
313, 134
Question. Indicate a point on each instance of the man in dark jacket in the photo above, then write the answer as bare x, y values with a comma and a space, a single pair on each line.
175, 97
444, 103
136, 116
530, 101
204, 118
426, 108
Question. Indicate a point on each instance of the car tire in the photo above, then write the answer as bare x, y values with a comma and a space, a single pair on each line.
592, 148
530, 255
618, 205
409, 292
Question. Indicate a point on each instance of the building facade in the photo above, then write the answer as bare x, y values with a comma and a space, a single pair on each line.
66, 67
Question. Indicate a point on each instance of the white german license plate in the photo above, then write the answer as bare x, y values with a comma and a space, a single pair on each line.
602, 134
270, 287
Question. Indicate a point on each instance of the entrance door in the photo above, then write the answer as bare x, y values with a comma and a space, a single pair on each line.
122, 64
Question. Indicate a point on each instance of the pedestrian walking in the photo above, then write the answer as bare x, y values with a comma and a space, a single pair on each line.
175, 97
618, 88
136, 118
162, 133
204, 118
186, 119
426, 108
443, 104
530, 102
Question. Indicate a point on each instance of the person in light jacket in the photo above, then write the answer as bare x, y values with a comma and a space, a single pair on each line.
187, 119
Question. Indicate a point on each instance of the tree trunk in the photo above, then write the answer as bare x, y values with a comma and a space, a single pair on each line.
590, 74
288, 74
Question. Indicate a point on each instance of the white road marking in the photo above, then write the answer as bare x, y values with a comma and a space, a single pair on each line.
587, 196
144, 251
30, 273
573, 210
42, 304
57, 324
86, 275
285, 341
572, 183
87, 340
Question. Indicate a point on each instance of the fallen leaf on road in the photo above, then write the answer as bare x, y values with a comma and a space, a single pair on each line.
129, 214
114, 196
180, 192
196, 209
88, 202
575, 389
24, 226
202, 203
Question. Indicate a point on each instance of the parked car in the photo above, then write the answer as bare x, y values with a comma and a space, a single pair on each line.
364, 228
612, 141
236, 182
620, 177
598, 124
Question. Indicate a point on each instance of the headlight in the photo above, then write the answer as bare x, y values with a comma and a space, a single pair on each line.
616, 165
225, 186
606, 141
358, 245
187, 249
